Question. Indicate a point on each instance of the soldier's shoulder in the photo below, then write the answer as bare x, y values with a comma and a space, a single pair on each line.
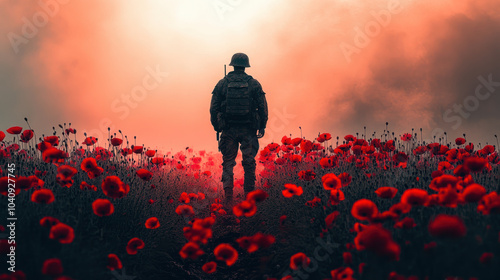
254, 82
219, 85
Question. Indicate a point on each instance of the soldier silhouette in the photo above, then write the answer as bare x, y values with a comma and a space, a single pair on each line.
238, 109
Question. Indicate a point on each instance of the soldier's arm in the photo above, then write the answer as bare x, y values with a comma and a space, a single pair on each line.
262, 106
215, 104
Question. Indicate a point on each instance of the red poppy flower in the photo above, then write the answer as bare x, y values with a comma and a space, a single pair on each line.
184, 198
327, 162
489, 204
389, 145
420, 150
362, 162
313, 202
53, 140
475, 164
331, 181
386, 192
364, 209
64, 181
90, 166
144, 174
62, 233
126, 151
184, 210
89, 141
291, 190
461, 171
253, 243
113, 187
405, 223
205, 223
15, 130
67, 171
330, 219
134, 245
49, 221
54, 155
2, 135
209, 267
286, 140
345, 179
116, 141
42, 196
406, 137
160, 160
150, 153
487, 150
295, 158
197, 234
306, 146
378, 240
474, 193
469, 148
343, 273
349, 137
296, 141
336, 196
324, 137
460, 141
263, 240
103, 207
448, 197
137, 149
299, 260
52, 267
415, 197
443, 181
26, 183
357, 150
26, 136
246, 208
226, 252
70, 130
114, 262
152, 223
257, 196
447, 226
307, 175
486, 257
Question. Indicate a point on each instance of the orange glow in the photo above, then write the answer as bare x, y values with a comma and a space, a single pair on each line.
92, 65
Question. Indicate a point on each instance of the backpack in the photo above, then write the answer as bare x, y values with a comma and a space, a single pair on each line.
239, 103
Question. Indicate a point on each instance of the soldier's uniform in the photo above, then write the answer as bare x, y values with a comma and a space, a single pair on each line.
239, 124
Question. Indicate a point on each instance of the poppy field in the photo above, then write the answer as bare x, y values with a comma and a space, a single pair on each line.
351, 207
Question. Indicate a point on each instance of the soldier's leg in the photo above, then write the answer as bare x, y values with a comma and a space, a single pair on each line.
249, 148
229, 148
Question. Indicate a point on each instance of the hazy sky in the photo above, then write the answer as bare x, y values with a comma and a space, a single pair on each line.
149, 67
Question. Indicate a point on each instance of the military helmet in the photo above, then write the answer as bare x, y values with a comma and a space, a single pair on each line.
240, 59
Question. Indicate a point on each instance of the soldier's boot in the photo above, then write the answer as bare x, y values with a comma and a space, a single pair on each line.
249, 182
227, 184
